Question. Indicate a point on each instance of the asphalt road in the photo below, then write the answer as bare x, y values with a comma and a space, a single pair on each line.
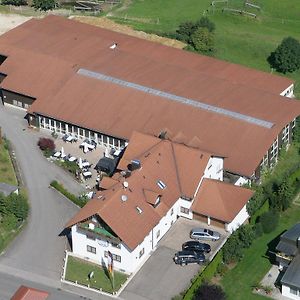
37, 253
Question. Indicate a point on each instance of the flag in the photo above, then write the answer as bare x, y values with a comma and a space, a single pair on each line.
110, 263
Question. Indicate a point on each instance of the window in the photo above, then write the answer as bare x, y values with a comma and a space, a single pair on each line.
161, 184
157, 234
15, 102
90, 236
184, 210
274, 150
141, 252
91, 249
20, 104
116, 245
26, 105
115, 256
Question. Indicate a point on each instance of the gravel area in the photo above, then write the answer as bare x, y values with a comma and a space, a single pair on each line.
8, 22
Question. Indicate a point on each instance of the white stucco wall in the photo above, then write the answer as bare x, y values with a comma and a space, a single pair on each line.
288, 92
130, 260
241, 181
214, 168
286, 292
240, 218
186, 204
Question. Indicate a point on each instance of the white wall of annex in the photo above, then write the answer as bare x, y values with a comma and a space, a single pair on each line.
286, 292
240, 219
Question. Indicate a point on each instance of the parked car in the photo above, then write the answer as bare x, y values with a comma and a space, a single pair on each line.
196, 246
188, 257
204, 234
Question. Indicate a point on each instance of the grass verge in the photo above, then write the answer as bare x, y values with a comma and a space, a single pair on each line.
257, 260
7, 173
78, 270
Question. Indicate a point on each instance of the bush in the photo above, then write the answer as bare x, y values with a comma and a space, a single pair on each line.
46, 144
246, 235
203, 40
222, 269
232, 250
258, 230
76, 200
9, 222
14, 2
286, 58
44, 4
269, 221
209, 291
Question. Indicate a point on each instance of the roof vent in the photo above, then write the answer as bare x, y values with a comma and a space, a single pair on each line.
161, 184
139, 210
91, 226
124, 198
125, 184
135, 164
113, 46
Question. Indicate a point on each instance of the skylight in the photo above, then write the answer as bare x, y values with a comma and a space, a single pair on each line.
161, 184
139, 210
173, 97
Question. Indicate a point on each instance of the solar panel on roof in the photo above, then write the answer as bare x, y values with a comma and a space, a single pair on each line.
183, 100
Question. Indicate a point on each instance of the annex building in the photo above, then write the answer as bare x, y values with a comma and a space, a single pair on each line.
193, 128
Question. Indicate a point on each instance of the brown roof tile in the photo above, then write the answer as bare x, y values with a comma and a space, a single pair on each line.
220, 200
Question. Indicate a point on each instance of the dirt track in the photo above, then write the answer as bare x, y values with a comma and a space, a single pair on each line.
8, 22
109, 24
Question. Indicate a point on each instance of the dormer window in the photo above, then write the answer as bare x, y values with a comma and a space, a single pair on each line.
157, 201
139, 210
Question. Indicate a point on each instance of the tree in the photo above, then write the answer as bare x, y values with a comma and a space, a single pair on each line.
232, 250
14, 2
46, 144
269, 220
44, 4
246, 235
185, 31
203, 40
209, 291
205, 22
18, 205
286, 58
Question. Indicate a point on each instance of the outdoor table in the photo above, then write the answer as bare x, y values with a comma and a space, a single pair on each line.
56, 154
72, 158
87, 174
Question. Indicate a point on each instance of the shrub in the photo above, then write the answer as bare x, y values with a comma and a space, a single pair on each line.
14, 2
232, 250
209, 291
18, 206
222, 269
286, 58
246, 235
46, 144
44, 4
203, 40
59, 187
269, 221
258, 230
9, 222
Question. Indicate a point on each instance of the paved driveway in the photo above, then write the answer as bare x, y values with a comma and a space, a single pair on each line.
37, 253
160, 278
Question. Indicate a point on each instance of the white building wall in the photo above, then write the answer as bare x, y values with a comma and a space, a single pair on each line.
240, 219
286, 292
130, 260
288, 92
182, 206
241, 181
214, 168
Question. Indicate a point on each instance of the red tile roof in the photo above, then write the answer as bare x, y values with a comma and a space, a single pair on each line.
62, 46
180, 168
220, 200
27, 293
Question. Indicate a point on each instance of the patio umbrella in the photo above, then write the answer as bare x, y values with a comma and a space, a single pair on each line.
85, 148
63, 152
80, 163
106, 154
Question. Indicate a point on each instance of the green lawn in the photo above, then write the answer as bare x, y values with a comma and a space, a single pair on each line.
252, 268
7, 173
239, 39
78, 269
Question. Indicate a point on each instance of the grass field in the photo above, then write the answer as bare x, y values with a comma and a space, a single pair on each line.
239, 39
256, 263
7, 174
78, 270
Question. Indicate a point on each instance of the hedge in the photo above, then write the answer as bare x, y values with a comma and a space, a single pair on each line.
264, 208
59, 187
206, 275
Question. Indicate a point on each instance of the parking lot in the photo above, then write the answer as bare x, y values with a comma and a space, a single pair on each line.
160, 277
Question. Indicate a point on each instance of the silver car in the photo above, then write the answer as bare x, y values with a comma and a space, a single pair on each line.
204, 234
